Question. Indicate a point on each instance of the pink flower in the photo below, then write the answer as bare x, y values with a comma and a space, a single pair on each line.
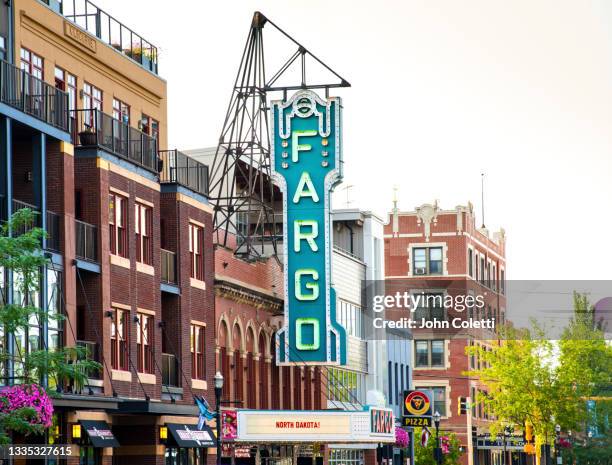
28, 395
401, 438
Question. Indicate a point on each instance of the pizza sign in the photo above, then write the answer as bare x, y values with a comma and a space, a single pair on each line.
417, 408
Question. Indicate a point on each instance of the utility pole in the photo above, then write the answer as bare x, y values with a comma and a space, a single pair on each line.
470, 438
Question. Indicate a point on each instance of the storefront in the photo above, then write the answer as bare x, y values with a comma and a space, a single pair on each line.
491, 450
186, 444
281, 437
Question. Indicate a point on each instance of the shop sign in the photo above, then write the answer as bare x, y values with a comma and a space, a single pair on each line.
228, 425
307, 164
417, 408
320, 426
381, 421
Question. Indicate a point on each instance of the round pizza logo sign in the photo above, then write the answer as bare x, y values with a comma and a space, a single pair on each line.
417, 403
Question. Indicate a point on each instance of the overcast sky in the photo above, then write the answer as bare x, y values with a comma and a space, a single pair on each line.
441, 91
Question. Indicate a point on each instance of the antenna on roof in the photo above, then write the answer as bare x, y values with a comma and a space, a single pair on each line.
482, 175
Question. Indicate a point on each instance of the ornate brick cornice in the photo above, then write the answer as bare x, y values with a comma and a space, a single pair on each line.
240, 294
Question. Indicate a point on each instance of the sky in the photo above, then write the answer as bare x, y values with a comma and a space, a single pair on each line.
441, 92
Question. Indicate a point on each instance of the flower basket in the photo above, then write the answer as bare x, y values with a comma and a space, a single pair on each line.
24, 396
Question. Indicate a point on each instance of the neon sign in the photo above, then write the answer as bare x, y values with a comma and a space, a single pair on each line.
307, 163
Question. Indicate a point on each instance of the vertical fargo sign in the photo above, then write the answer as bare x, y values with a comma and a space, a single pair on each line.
307, 163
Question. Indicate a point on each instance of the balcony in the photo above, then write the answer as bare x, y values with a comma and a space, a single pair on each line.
100, 24
168, 267
169, 370
180, 169
86, 241
92, 354
33, 96
53, 223
92, 128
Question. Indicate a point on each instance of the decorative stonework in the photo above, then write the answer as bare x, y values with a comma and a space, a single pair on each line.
80, 36
245, 296
427, 214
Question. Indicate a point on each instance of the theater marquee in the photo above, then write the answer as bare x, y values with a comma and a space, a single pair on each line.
315, 426
306, 159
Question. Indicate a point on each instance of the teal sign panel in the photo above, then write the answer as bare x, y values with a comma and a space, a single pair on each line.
307, 164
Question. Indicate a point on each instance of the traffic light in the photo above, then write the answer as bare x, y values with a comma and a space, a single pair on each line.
462, 405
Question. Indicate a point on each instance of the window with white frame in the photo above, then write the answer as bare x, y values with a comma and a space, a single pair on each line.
351, 317
429, 353
427, 260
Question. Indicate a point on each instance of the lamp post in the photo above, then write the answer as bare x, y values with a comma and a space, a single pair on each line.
507, 431
438, 450
556, 444
218, 391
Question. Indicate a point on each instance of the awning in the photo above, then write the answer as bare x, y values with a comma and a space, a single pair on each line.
191, 436
99, 433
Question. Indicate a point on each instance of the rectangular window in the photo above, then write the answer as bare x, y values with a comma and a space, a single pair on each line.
429, 354
121, 111
32, 63
92, 100
430, 307
351, 317
117, 218
482, 270
143, 223
144, 343
439, 398
150, 126
471, 263
427, 260
198, 343
71, 88
502, 281
2, 48
119, 340
196, 251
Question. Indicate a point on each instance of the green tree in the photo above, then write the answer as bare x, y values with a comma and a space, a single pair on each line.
531, 379
22, 258
425, 455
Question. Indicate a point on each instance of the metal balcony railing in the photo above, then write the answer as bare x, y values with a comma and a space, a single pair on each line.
92, 128
168, 266
33, 96
181, 169
86, 241
169, 370
106, 28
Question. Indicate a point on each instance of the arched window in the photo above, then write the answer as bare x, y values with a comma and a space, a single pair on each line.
263, 373
224, 361
250, 369
275, 375
238, 365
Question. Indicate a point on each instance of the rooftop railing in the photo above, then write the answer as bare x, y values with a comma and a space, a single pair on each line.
181, 169
92, 128
33, 96
106, 28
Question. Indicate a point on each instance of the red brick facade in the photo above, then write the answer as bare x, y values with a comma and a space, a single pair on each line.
456, 234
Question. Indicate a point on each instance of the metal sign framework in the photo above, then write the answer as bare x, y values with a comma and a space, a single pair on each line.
245, 198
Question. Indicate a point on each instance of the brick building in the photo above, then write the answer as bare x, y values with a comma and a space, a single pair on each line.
434, 250
82, 125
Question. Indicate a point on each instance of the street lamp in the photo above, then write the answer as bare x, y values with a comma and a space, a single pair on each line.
218, 391
557, 431
438, 450
507, 431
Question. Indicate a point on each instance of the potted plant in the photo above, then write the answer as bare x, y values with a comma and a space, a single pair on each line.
87, 136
